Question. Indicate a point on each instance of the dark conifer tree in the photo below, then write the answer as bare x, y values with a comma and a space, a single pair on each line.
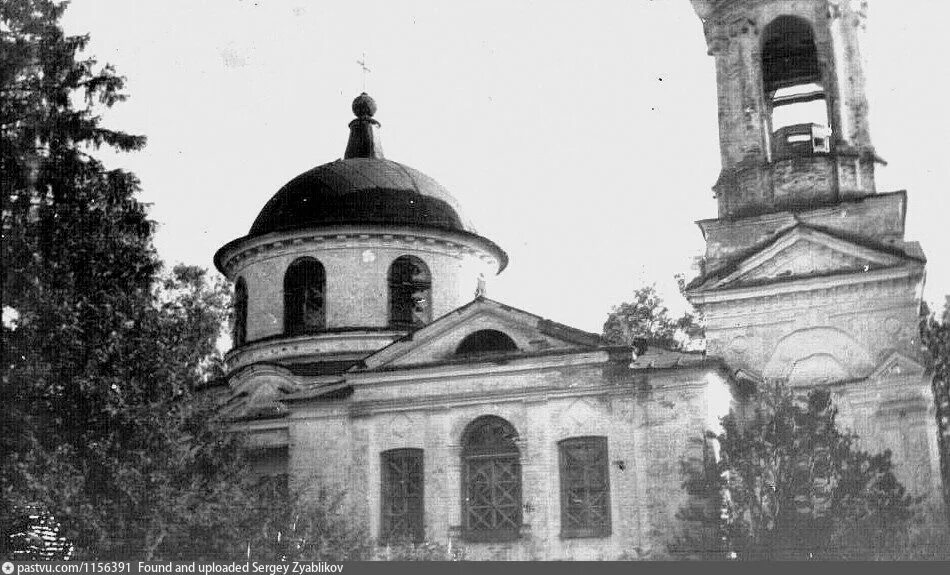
103, 434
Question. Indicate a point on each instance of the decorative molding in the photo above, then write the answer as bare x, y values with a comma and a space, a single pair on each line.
251, 250
483, 313
326, 346
442, 372
898, 365
370, 407
827, 284
824, 348
239, 382
805, 252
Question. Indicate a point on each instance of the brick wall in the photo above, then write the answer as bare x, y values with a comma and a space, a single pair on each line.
357, 289
652, 423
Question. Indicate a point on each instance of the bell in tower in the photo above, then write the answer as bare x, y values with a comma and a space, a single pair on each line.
792, 108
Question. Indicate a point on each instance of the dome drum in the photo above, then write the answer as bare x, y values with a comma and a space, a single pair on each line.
356, 274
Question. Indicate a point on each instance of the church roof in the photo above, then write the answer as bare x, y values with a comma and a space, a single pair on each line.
355, 191
362, 188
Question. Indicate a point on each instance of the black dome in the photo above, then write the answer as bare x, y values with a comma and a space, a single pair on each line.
359, 191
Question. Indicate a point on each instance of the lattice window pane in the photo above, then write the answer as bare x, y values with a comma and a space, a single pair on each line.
494, 494
402, 501
585, 487
492, 481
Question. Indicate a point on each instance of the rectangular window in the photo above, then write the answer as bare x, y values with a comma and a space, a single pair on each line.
402, 496
585, 487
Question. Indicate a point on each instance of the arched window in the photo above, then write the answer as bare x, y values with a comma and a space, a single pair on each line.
304, 302
402, 498
239, 333
410, 293
485, 341
491, 481
585, 487
791, 76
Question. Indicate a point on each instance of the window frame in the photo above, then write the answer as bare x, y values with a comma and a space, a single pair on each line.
411, 287
415, 516
239, 330
589, 530
504, 453
791, 91
294, 325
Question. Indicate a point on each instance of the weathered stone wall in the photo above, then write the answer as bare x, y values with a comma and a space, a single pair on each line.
861, 340
880, 217
324, 449
895, 411
653, 421
357, 267
863, 322
754, 180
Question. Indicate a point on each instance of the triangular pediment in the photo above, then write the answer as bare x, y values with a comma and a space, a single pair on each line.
898, 364
448, 338
805, 252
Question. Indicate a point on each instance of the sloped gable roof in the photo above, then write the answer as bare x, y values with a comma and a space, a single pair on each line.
438, 341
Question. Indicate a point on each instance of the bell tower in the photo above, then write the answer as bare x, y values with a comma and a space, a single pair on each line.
793, 126
807, 276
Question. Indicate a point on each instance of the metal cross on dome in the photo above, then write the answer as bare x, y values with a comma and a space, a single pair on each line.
362, 63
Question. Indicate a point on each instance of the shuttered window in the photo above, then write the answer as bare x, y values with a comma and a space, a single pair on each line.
585, 487
402, 502
491, 466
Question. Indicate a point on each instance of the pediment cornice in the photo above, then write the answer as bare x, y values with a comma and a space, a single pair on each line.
436, 342
805, 259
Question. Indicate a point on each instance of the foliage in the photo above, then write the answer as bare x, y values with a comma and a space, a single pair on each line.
794, 486
36, 536
312, 524
646, 317
106, 437
935, 337
304, 525
423, 551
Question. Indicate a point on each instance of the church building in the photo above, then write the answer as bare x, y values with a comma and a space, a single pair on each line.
368, 361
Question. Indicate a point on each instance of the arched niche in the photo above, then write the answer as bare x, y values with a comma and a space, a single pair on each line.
304, 297
486, 341
794, 88
410, 293
818, 355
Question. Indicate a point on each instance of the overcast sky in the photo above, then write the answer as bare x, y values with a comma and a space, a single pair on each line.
579, 136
